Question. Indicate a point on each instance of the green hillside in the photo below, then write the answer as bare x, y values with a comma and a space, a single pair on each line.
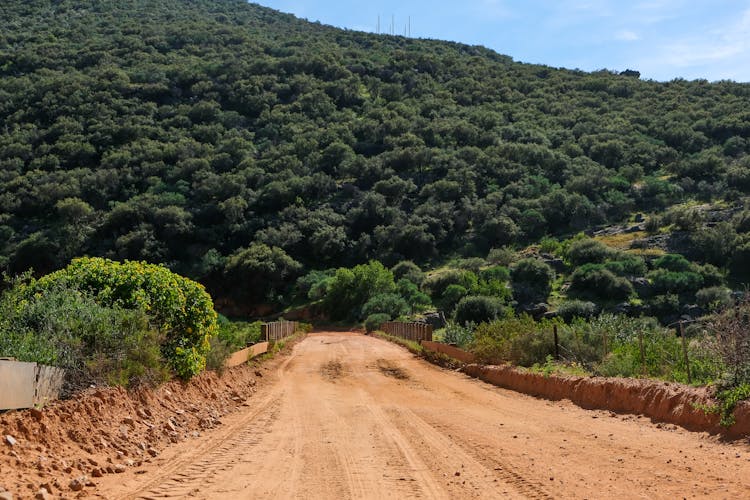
244, 148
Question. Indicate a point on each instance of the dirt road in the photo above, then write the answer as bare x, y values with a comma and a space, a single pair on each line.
351, 416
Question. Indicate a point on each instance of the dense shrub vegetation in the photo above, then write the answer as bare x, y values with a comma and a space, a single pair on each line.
244, 148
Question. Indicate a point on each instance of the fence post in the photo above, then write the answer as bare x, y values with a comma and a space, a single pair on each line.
557, 342
685, 352
264, 331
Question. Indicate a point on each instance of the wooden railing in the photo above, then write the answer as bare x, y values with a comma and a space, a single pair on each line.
409, 331
279, 330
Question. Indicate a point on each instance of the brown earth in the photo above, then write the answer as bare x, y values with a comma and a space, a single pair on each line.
351, 416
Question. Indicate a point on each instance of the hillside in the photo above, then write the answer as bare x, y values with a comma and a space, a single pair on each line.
244, 147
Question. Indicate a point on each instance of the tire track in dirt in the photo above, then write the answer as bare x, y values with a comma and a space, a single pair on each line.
185, 475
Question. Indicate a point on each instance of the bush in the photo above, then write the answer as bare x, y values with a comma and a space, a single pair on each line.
714, 298
350, 289
478, 309
179, 307
585, 251
503, 256
532, 280
630, 266
571, 309
408, 270
665, 281
436, 284
459, 335
237, 335
375, 321
596, 281
452, 295
516, 339
66, 327
390, 304
673, 262
416, 300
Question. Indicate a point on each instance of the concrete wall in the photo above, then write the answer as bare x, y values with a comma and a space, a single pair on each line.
453, 352
23, 385
241, 357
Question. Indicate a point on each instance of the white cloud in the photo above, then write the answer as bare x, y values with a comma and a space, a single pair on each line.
627, 36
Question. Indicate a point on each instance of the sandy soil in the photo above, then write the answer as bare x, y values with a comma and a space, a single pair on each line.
350, 416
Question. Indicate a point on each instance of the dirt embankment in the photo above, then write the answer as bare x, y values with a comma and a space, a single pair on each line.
662, 401
66, 446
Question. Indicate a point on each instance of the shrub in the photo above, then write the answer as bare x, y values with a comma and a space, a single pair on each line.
436, 284
596, 281
665, 281
571, 309
713, 298
478, 309
585, 251
452, 295
350, 289
532, 280
503, 256
179, 307
391, 304
732, 332
515, 339
409, 270
628, 265
237, 335
66, 327
673, 262
499, 273
416, 300
459, 335
374, 321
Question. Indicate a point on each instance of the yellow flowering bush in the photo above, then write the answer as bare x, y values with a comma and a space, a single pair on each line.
178, 306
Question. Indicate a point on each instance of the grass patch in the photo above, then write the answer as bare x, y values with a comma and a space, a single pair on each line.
622, 240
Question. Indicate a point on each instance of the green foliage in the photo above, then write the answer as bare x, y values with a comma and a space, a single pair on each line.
260, 272
459, 335
571, 309
728, 399
391, 304
478, 309
244, 147
179, 307
374, 321
408, 270
532, 280
237, 335
665, 281
585, 251
63, 326
516, 339
595, 280
351, 289
714, 298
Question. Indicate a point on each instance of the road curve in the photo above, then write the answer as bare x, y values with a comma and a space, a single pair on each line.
351, 416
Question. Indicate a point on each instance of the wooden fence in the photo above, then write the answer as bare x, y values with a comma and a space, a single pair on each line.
279, 330
24, 385
243, 356
409, 331
453, 352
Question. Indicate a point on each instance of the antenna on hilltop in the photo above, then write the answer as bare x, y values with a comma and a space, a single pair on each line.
378, 29
393, 24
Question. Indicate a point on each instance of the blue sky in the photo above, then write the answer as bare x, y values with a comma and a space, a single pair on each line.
663, 39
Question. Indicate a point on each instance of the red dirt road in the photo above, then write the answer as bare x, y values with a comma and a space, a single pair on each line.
351, 416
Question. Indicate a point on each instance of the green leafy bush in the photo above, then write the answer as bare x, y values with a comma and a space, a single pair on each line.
666, 281
350, 289
66, 327
571, 309
532, 280
596, 281
588, 251
179, 307
375, 321
391, 304
479, 309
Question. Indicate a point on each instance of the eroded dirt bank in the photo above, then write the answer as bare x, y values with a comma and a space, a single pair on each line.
662, 401
351, 416
68, 446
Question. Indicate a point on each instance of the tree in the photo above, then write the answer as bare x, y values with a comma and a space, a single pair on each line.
532, 280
